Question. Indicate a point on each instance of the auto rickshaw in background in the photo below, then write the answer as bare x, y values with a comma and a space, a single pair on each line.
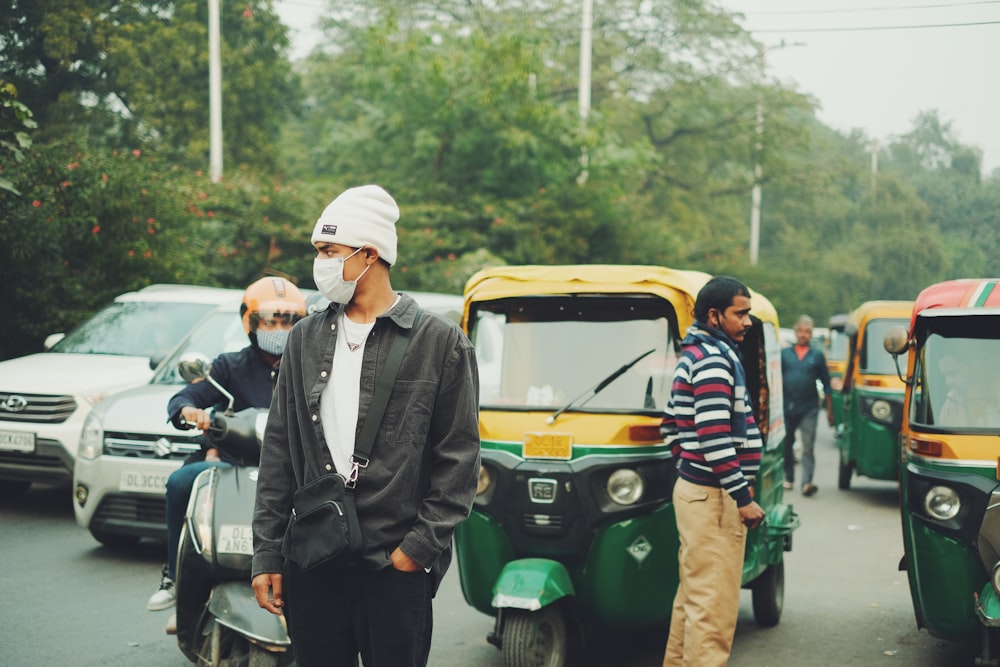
835, 349
950, 440
872, 395
573, 524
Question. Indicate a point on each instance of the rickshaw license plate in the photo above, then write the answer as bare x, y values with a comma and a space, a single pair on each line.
548, 445
235, 539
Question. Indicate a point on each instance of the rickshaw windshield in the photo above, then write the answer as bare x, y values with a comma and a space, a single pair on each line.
957, 379
546, 352
874, 359
837, 345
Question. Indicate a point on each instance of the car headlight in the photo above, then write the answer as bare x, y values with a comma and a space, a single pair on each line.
881, 410
91, 438
942, 503
625, 486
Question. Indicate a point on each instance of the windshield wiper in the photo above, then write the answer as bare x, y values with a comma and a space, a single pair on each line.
580, 400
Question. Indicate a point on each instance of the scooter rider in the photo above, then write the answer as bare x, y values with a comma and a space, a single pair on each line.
270, 307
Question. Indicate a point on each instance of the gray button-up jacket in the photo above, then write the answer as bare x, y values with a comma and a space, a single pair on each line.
424, 466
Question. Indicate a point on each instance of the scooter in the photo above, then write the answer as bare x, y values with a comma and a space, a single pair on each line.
218, 619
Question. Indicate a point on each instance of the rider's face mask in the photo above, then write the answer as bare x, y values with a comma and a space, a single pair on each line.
328, 272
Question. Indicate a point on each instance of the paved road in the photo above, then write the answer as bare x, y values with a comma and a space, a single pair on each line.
70, 601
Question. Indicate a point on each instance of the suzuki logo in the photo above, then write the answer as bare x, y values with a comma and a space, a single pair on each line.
14, 403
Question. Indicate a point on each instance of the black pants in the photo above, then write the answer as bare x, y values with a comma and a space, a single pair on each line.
336, 613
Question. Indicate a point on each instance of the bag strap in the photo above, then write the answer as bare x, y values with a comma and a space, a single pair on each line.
383, 387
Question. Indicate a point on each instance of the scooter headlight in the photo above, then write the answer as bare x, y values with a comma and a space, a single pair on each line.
995, 579
625, 486
942, 503
199, 512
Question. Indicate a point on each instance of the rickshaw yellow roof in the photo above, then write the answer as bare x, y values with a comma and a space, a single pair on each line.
678, 286
872, 309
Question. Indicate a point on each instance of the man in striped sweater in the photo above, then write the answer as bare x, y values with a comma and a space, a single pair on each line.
710, 427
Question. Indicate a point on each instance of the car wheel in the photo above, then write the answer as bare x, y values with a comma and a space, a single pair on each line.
114, 540
534, 639
769, 595
13, 488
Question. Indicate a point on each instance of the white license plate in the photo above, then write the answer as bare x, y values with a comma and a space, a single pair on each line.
235, 538
12, 441
143, 482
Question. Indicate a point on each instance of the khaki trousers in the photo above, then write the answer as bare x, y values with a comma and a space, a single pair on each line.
713, 538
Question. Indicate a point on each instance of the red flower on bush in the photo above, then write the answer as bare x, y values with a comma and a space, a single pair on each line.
136, 152
95, 229
36, 203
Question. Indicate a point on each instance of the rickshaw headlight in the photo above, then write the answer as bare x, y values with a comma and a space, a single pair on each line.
942, 503
995, 579
483, 485
881, 410
625, 486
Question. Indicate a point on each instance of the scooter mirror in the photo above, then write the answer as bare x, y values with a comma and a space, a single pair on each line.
194, 366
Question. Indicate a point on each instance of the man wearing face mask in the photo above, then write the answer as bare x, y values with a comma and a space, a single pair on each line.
420, 479
269, 309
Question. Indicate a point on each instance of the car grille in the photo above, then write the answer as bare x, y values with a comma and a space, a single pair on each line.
37, 408
150, 445
148, 509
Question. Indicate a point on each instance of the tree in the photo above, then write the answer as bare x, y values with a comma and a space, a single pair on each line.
135, 72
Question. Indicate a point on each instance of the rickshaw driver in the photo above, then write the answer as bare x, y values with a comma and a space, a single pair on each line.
710, 427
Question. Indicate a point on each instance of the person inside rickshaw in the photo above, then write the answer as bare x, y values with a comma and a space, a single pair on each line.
969, 396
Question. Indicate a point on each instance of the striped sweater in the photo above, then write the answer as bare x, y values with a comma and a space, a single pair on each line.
709, 421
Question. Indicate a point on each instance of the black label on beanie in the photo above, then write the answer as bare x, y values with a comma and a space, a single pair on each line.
329, 229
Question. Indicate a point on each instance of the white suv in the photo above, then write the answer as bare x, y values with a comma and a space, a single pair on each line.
45, 397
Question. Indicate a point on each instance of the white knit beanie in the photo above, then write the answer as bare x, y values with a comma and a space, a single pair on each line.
361, 216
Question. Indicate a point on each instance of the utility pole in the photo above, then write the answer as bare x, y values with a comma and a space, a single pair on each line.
214, 93
586, 28
758, 171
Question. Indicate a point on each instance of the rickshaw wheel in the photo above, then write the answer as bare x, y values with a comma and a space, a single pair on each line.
534, 639
769, 595
844, 476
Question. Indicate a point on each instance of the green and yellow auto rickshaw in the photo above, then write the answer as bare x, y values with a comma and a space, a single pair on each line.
872, 395
950, 441
573, 524
836, 349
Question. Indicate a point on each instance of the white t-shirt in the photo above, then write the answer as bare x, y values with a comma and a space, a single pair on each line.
340, 400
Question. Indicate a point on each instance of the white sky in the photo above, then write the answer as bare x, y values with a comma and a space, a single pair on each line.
876, 79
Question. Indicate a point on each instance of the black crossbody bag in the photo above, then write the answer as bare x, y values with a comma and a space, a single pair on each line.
324, 527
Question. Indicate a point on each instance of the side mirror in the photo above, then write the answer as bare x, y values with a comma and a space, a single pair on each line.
51, 340
194, 367
896, 340
851, 329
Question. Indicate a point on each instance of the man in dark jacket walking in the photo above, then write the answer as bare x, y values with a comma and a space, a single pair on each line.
421, 478
802, 366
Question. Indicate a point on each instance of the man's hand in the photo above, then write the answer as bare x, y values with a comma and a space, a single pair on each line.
195, 417
752, 515
267, 590
402, 562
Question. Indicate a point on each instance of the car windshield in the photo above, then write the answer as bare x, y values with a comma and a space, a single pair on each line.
957, 383
551, 352
222, 331
874, 359
134, 328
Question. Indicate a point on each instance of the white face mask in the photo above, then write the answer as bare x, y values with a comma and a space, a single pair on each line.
329, 276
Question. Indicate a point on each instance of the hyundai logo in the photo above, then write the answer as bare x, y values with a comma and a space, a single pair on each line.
14, 403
